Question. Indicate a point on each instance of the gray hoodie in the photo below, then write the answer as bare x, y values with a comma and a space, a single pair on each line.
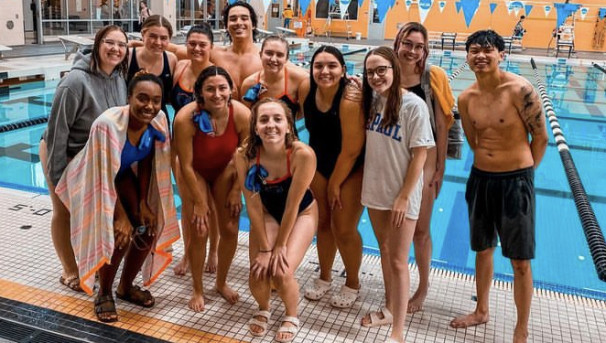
80, 98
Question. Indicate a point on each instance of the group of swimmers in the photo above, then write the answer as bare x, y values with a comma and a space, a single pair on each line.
378, 143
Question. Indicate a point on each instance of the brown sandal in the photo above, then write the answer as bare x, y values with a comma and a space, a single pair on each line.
135, 295
72, 283
105, 305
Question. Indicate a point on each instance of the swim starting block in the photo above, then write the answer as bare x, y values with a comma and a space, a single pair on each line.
283, 31
77, 42
4, 48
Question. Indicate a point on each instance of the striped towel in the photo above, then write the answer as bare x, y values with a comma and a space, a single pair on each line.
88, 191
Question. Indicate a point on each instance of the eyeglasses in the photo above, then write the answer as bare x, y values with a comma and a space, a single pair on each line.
379, 71
408, 45
112, 43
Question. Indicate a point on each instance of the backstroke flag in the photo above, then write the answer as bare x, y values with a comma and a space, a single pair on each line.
383, 6
584, 11
547, 9
564, 11
469, 7
515, 6
493, 6
441, 6
424, 7
304, 4
343, 5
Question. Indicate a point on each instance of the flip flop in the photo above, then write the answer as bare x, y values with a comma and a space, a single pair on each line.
375, 321
72, 283
135, 295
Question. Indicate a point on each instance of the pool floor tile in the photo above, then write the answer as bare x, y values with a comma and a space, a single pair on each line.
29, 274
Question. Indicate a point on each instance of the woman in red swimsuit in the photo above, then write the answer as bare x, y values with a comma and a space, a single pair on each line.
207, 133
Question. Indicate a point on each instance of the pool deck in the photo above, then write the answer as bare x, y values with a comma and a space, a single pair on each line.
31, 298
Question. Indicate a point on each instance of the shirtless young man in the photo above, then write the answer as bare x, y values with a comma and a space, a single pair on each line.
242, 57
499, 112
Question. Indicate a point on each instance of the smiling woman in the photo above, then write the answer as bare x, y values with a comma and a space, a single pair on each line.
153, 57
94, 84
207, 133
275, 80
278, 168
131, 213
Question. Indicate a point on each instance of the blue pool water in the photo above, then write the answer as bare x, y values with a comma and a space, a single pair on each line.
563, 261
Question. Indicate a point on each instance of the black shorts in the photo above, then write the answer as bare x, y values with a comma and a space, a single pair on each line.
502, 203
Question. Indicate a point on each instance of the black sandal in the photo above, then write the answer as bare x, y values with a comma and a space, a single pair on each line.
105, 304
135, 295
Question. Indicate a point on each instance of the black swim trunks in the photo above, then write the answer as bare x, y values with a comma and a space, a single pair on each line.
502, 203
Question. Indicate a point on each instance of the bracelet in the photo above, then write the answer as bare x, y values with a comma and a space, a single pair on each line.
264, 251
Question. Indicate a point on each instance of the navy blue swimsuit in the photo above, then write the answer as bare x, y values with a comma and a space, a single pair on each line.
274, 193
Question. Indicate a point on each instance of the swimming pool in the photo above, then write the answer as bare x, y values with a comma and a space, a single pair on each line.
563, 261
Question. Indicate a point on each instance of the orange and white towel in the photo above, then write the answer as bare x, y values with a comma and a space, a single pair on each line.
88, 191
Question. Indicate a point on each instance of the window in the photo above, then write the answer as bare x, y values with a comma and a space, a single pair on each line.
325, 9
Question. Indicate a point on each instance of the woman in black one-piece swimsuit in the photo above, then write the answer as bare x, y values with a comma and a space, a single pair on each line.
275, 171
153, 57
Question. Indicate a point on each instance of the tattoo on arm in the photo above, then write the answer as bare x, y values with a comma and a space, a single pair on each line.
531, 113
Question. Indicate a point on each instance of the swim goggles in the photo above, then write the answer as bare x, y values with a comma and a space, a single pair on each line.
202, 118
255, 178
253, 93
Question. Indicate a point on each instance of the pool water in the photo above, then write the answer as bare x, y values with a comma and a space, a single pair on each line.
562, 263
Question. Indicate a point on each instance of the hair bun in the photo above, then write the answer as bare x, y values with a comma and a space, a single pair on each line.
141, 72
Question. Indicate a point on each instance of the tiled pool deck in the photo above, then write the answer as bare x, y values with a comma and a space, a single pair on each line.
30, 272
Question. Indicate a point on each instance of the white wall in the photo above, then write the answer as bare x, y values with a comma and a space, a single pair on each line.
168, 9
11, 10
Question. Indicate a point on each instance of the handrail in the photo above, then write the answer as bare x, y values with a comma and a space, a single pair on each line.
591, 228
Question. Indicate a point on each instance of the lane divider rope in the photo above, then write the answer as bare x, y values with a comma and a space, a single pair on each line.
589, 223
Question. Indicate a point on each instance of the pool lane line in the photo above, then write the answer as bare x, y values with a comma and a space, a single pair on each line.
23, 123
589, 222
599, 67
135, 322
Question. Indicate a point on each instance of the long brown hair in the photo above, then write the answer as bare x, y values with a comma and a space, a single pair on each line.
407, 29
95, 62
253, 141
391, 113
157, 20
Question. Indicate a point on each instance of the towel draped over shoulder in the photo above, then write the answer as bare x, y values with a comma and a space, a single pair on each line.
441, 91
88, 191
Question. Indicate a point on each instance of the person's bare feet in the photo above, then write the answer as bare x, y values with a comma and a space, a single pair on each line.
181, 267
415, 304
228, 294
520, 335
471, 319
211, 264
196, 303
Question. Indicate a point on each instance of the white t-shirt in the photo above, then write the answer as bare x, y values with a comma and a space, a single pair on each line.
389, 151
